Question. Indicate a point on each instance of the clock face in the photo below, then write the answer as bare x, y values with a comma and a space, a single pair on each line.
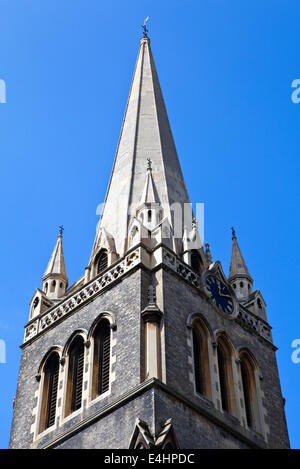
219, 294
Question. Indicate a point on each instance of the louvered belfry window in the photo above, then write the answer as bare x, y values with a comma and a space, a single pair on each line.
75, 374
49, 399
222, 377
197, 362
246, 389
201, 358
101, 368
102, 261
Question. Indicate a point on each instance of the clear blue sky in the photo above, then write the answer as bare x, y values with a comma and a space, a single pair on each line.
226, 69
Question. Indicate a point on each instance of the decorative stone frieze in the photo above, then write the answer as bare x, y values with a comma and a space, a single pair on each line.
83, 295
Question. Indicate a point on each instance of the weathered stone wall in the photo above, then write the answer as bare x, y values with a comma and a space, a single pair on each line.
115, 429
154, 406
180, 300
109, 422
124, 301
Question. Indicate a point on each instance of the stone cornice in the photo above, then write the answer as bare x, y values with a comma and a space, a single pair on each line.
253, 440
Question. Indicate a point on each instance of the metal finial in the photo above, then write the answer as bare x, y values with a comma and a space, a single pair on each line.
233, 232
61, 229
145, 30
149, 163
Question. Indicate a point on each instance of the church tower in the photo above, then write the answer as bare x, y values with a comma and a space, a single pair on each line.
153, 347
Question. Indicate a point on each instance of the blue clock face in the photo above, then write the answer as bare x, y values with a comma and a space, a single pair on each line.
219, 294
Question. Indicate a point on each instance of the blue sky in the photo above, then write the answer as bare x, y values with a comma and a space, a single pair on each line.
226, 69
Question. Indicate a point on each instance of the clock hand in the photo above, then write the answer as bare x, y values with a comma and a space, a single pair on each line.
220, 294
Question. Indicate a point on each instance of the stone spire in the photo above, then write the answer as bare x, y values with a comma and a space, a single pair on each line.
149, 194
55, 280
145, 134
239, 276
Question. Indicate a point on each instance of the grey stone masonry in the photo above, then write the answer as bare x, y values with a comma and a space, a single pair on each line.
129, 398
124, 303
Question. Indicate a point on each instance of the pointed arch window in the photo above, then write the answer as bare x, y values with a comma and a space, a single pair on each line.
224, 356
101, 361
249, 391
201, 359
222, 378
101, 261
49, 393
246, 392
75, 375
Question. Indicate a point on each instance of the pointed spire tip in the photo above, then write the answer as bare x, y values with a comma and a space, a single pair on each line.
238, 267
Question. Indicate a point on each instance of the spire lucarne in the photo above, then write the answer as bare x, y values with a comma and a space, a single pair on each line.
145, 134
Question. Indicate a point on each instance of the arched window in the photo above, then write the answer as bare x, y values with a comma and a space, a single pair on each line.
226, 376
249, 391
75, 375
196, 262
222, 378
49, 393
101, 362
201, 359
246, 392
101, 261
